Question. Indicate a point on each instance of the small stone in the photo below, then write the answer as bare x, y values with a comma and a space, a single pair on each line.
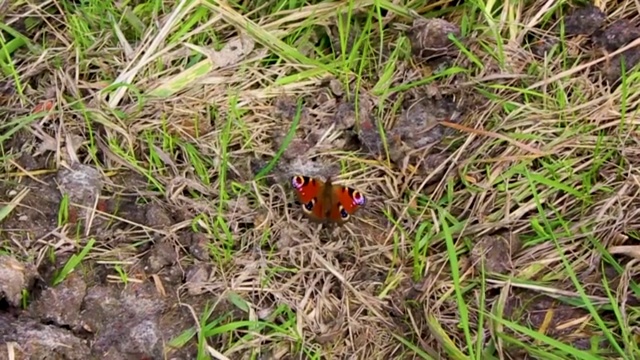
197, 277
162, 254
199, 247
156, 217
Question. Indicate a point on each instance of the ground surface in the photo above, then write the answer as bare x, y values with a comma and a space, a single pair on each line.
147, 210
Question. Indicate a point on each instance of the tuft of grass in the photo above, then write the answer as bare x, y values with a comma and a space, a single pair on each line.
74, 261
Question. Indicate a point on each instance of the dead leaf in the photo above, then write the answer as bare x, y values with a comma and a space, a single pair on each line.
233, 51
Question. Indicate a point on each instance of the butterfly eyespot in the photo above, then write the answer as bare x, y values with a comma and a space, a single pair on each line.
297, 181
309, 206
344, 214
358, 198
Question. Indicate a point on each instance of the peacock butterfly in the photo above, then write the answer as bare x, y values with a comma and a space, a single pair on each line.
323, 201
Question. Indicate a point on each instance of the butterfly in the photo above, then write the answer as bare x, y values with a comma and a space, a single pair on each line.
323, 201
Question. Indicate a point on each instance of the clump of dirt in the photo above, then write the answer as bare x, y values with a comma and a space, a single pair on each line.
35, 340
626, 61
494, 253
196, 278
15, 277
616, 35
199, 247
584, 20
345, 115
369, 135
416, 133
588, 22
127, 321
357, 127
132, 323
162, 254
285, 108
417, 128
157, 217
62, 320
36, 214
61, 304
126, 208
430, 38
312, 137
430, 165
418, 124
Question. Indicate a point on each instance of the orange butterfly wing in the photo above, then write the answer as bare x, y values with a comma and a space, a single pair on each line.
346, 201
319, 203
309, 193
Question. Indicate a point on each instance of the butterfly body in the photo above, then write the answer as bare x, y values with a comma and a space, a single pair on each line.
322, 201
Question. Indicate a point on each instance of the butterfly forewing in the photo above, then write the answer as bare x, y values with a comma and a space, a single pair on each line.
308, 191
306, 188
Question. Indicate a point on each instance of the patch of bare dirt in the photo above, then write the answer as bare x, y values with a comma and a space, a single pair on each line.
556, 319
38, 211
28, 338
87, 315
